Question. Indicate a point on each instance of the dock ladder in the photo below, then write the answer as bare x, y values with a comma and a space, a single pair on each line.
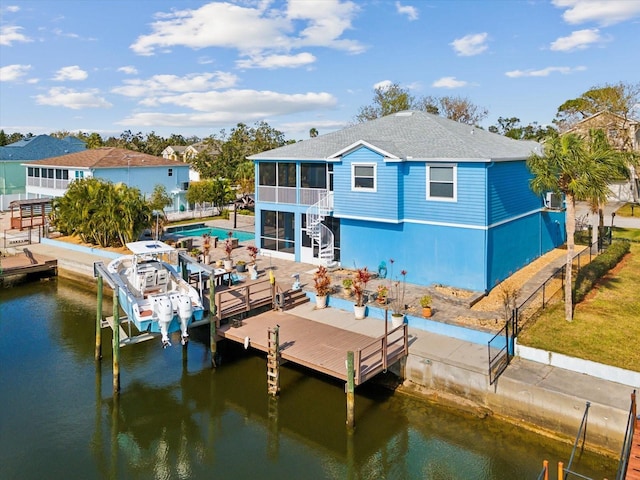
273, 361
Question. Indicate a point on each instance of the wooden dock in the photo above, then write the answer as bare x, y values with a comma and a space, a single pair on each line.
319, 346
27, 264
633, 467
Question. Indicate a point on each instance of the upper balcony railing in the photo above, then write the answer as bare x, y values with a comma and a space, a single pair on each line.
54, 183
291, 195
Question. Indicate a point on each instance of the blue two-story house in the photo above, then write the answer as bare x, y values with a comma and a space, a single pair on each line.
51, 177
449, 203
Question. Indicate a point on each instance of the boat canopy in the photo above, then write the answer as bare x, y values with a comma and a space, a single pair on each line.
147, 247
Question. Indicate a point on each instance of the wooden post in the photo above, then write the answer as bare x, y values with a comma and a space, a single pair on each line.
116, 343
350, 391
213, 346
560, 470
545, 466
98, 352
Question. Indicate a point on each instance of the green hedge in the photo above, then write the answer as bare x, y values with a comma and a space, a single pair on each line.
599, 266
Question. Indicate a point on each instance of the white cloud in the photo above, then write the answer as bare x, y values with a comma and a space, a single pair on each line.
72, 72
225, 108
129, 70
246, 102
10, 34
603, 12
75, 100
470, 45
449, 82
409, 11
578, 40
277, 61
12, 8
12, 73
167, 84
545, 72
382, 85
227, 25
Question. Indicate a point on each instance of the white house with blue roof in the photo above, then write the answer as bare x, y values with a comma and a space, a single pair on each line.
12, 173
450, 203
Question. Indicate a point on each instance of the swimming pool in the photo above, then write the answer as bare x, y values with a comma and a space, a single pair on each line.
221, 233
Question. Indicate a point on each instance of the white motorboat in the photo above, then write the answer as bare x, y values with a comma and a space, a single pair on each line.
151, 291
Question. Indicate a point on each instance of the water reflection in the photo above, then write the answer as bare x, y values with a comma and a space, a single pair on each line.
178, 418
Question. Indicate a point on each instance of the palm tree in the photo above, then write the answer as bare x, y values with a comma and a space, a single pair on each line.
579, 169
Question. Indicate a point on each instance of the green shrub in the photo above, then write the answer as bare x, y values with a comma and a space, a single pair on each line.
599, 266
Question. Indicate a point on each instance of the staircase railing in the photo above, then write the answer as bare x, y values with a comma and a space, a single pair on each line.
320, 233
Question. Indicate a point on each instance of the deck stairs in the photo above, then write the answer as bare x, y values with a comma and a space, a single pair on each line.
294, 298
273, 361
320, 233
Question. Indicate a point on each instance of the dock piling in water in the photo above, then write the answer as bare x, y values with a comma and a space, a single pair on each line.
351, 400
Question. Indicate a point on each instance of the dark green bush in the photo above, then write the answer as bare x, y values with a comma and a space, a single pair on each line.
599, 266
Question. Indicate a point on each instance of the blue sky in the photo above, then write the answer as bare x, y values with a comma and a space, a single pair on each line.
195, 67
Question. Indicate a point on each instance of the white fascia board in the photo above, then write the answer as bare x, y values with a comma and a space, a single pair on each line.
362, 143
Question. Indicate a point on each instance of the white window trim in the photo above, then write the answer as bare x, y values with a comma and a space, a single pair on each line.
455, 183
375, 177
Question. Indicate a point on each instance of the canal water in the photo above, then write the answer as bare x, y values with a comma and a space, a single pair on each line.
176, 418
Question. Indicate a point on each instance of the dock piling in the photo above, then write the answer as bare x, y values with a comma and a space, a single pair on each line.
98, 352
350, 390
116, 343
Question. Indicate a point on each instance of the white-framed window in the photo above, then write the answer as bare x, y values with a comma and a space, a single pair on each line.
442, 182
363, 176
79, 174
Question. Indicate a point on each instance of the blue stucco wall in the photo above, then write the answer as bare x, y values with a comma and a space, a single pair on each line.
430, 253
146, 178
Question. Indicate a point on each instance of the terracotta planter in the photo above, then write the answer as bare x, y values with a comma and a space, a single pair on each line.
321, 301
426, 312
359, 311
347, 291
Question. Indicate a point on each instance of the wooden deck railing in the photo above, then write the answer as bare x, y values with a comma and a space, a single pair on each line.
243, 298
380, 353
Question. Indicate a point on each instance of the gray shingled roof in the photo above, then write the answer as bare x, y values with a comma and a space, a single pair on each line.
41, 146
410, 135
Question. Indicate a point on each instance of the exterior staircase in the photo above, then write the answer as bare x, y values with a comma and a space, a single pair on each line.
320, 233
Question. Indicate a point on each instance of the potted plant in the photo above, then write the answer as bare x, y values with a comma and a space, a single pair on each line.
360, 280
241, 266
425, 303
228, 249
397, 304
206, 246
322, 284
347, 283
383, 292
253, 268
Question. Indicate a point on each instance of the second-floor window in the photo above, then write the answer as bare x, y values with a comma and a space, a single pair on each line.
441, 182
170, 172
281, 174
363, 176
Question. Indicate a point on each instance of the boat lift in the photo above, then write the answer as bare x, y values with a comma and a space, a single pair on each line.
122, 337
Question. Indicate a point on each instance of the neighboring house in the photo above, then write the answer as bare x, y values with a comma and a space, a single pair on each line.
51, 177
450, 203
12, 177
188, 154
624, 135
174, 152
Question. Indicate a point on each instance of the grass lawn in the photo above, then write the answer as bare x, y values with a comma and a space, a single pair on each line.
632, 234
625, 210
606, 325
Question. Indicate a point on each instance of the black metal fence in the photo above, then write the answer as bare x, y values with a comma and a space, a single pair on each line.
18, 238
500, 349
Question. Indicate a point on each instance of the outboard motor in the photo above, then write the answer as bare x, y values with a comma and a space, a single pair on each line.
182, 303
164, 311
